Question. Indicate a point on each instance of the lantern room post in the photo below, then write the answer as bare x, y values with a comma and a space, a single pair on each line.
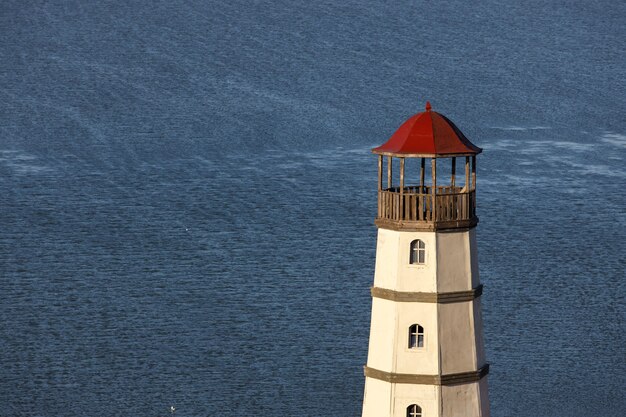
380, 184
453, 174
433, 162
467, 174
466, 188
473, 193
380, 173
401, 205
422, 168
473, 173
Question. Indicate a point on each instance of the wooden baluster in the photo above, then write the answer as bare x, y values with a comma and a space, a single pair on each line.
454, 214
420, 207
382, 204
385, 205
396, 206
450, 206
384, 208
407, 206
451, 209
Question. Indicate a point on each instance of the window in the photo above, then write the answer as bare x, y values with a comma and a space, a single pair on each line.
414, 410
418, 252
416, 336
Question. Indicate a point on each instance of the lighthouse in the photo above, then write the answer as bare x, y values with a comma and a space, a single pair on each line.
426, 354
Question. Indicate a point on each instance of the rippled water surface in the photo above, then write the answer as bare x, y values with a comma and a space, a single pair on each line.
188, 199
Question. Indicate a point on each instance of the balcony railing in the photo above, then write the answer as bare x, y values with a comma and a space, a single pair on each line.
417, 204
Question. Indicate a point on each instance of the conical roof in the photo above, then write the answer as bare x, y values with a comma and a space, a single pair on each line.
428, 134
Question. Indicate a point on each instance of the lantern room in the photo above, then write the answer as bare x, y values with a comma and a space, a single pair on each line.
423, 189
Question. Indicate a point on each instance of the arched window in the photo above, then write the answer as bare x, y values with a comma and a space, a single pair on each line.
414, 410
416, 336
418, 252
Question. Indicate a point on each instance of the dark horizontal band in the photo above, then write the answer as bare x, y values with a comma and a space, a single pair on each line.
426, 226
449, 379
427, 297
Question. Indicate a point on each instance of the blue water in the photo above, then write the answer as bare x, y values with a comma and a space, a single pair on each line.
188, 198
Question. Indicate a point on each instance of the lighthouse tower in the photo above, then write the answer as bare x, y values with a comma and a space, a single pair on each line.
426, 356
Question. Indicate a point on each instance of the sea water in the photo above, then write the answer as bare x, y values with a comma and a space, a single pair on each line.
188, 198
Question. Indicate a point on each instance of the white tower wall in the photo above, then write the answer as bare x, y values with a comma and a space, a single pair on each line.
445, 377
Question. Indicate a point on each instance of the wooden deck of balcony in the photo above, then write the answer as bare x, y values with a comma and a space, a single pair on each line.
418, 208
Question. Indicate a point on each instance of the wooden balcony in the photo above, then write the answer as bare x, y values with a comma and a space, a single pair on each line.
418, 208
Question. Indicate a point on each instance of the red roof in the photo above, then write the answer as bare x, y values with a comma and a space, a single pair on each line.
428, 134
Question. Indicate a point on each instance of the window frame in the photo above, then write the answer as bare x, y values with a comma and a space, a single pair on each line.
414, 410
417, 252
417, 337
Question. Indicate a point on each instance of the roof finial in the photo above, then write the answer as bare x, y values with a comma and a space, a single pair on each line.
428, 107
